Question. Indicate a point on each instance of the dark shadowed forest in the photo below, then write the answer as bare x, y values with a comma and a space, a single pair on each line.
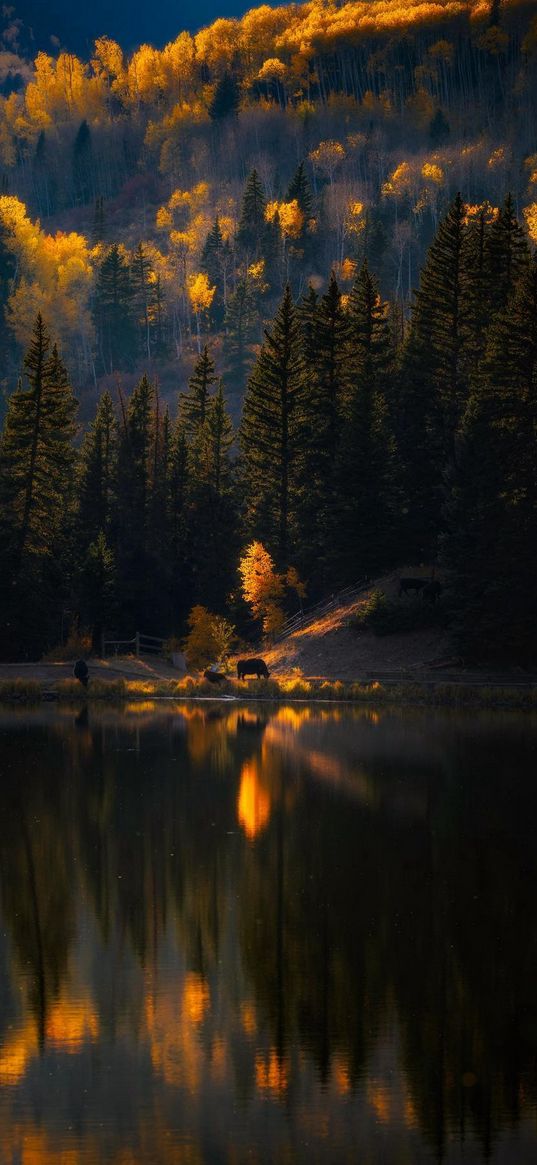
286, 267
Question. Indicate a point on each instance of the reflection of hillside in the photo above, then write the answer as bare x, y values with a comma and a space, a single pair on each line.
198, 899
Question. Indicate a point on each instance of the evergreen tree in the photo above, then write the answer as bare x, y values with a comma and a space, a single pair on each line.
507, 256
226, 98
241, 324
213, 518
324, 333
439, 129
83, 164
300, 189
433, 382
364, 538
98, 474
272, 433
97, 590
216, 260
114, 312
491, 511
193, 404
37, 460
252, 226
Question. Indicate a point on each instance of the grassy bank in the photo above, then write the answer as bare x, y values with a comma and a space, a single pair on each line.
474, 695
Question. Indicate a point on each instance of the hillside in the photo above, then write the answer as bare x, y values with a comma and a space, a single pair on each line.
328, 645
361, 122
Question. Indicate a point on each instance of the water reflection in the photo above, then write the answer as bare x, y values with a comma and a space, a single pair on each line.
288, 934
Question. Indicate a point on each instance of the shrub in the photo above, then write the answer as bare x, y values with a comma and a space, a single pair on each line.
209, 638
78, 645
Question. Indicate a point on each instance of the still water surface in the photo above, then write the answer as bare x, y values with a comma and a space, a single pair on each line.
236, 934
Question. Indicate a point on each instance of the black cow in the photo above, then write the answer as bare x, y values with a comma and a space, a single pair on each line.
81, 673
252, 667
411, 584
214, 677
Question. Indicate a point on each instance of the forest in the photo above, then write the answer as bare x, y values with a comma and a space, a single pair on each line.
285, 265
355, 452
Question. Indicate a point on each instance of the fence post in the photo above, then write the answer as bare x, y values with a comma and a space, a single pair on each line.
137, 647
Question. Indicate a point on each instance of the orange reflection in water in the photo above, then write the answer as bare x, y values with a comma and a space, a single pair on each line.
196, 997
70, 1024
271, 1073
254, 801
172, 1020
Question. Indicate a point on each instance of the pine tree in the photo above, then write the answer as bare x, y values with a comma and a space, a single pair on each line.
507, 256
37, 455
252, 226
272, 432
300, 189
98, 474
364, 541
97, 589
242, 325
216, 261
37, 460
114, 312
193, 404
433, 386
491, 511
324, 331
226, 98
83, 164
213, 518
135, 466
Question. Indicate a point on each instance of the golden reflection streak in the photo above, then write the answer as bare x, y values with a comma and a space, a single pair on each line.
71, 1023
254, 800
271, 1073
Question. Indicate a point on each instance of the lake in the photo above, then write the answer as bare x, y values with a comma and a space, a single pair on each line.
238, 933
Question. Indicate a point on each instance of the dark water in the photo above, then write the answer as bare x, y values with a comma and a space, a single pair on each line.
234, 934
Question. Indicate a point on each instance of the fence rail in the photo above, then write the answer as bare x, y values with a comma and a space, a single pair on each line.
321, 608
140, 645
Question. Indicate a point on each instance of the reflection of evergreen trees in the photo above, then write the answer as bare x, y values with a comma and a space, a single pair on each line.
411, 888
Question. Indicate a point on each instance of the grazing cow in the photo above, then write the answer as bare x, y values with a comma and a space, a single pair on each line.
81, 673
252, 667
432, 591
214, 677
411, 584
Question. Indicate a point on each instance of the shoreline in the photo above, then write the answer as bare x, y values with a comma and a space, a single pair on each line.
452, 692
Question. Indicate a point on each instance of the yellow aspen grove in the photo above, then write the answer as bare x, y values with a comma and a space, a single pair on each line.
201, 295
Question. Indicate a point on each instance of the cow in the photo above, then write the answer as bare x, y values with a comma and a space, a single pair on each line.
411, 584
252, 667
214, 677
81, 673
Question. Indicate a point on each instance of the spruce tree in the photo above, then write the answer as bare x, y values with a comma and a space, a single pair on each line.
433, 386
252, 226
83, 164
216, 260
323, 326
97, 590
98, 474
114, 312
241, 328
226, 98
300, 189
507, 256
364, 538
37, 460
36, 454
272, 434
193, 404
491, 511
213, 519
140, 295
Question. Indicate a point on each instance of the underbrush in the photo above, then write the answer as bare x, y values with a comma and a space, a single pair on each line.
453, 695
29, 691
385, 616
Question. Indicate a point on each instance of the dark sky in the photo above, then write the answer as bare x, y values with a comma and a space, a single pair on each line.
77, 22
